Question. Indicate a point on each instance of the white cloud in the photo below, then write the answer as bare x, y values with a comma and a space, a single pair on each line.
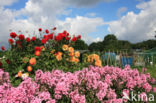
97, 39
7, 2
121, 10
136, 27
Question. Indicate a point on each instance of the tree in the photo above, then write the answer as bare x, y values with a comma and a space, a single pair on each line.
80, 45
123, 44
96, 46
149, 44
110, 37
110, 42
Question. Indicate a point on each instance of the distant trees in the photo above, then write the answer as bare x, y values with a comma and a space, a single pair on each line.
149, 44
110, 42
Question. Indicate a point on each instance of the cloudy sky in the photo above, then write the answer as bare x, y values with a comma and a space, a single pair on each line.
133, 20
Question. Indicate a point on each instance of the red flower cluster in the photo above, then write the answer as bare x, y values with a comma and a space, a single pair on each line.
11, 41
13, 34
2, 48
46, 38
60, 36
21, 37
74, 39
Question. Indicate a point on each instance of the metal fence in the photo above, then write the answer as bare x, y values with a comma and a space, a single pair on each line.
123, 58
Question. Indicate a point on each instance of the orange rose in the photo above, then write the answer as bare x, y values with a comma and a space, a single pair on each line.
90, 58
77, 54
52, 51
71, 49
32, 61
29, 68
96, 57
60, 53
42, 48
71, 54
37, 53
58, 57
19, 74
72, 59
65, 47
98, 63
76, 60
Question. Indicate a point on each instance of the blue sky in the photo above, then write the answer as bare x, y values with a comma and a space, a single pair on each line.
93, 18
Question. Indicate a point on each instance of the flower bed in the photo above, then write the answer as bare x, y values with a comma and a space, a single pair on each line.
90, 85
46, 51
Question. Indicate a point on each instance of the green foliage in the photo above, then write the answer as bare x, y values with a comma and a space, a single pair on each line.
111, 42
149, 44
80, 45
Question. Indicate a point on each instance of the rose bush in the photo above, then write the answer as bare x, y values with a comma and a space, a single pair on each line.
90, 85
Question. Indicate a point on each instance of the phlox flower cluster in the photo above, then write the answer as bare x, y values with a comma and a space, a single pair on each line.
105, 84
93, 84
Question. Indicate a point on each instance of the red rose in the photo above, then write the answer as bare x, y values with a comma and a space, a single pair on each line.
44, 40
37, 48
45, 36
74, 39
1, 64
47, 31
2, 48
40, 29
21, 37
54, 28
67, 34
28, 39
37, 53
50, 36
63, 35
68, 38
13, 34
11, 41
18, 42
58, 37
33, 38
64, 32
8, 61
79, 36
